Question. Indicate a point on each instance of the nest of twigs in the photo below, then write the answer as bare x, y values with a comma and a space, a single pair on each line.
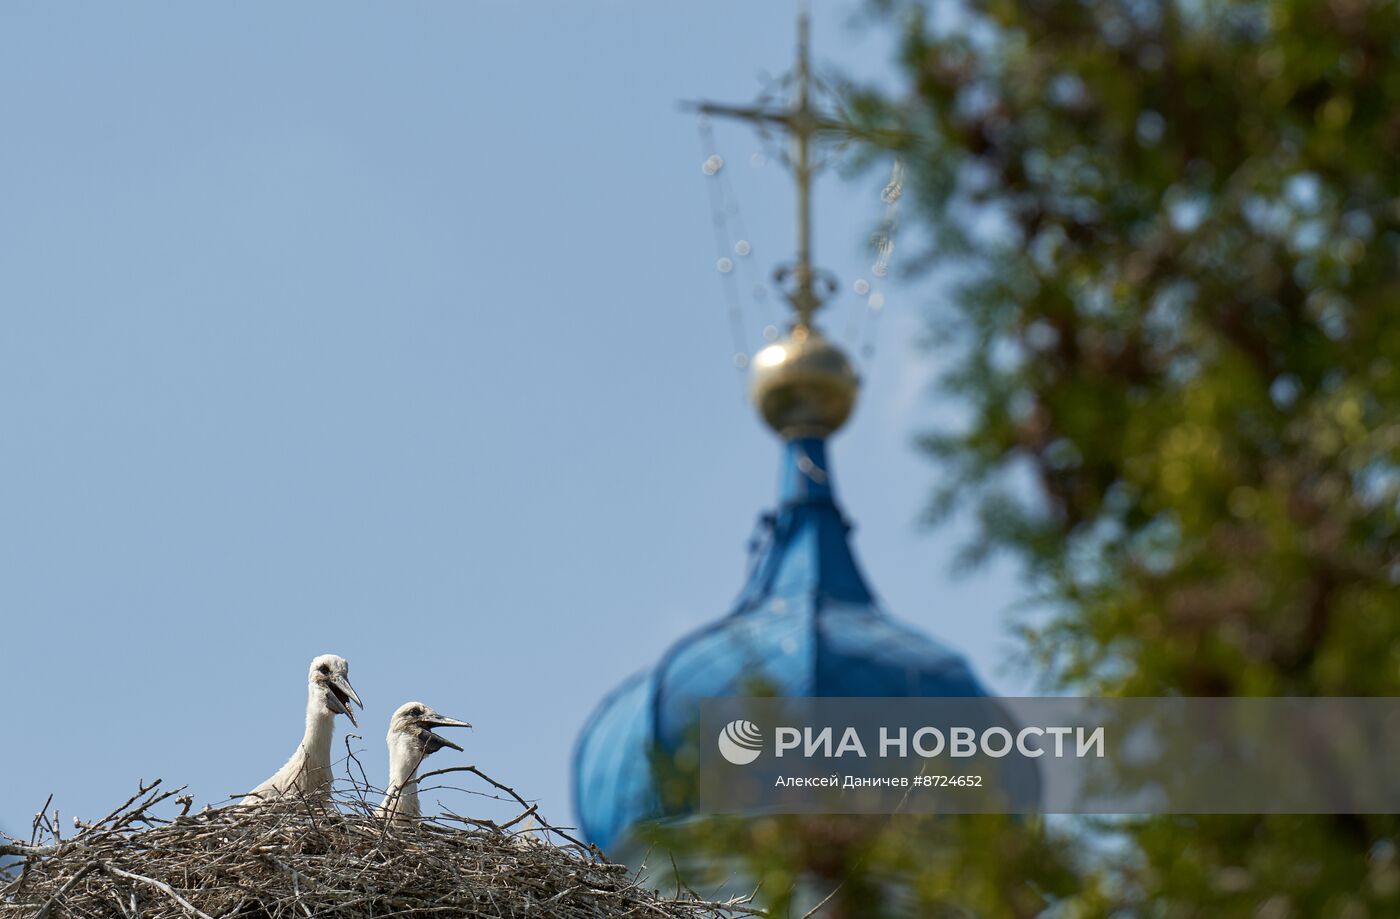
303, 860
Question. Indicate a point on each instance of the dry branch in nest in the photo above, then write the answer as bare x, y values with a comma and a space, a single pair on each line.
295, 859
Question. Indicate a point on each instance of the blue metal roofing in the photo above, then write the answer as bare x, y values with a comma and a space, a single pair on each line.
805, 624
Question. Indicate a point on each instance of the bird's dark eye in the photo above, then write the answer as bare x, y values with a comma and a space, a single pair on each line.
324, 668
416, 711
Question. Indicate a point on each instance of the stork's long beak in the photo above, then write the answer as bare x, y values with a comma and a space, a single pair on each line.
434, 720
343, 684
342, 694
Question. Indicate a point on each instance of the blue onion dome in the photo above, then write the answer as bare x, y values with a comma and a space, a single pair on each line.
805, 624
613, 782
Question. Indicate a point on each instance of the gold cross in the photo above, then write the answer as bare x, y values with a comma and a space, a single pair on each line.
802, 121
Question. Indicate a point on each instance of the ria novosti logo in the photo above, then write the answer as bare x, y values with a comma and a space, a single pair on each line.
740, 742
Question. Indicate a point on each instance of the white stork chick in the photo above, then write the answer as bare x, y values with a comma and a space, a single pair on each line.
411, 741
308, 773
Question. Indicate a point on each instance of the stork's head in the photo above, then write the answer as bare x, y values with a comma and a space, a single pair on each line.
329, 684
412, 725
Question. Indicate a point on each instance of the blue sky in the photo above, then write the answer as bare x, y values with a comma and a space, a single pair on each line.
394, 330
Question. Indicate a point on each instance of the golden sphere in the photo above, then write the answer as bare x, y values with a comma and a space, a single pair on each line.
803, 385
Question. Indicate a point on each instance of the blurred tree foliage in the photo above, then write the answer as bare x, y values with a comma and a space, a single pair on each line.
862, 867
1173, 234
1174, 230
847, 867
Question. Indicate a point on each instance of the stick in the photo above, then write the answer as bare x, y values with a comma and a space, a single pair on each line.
825, 900
58, 894
529, 811
158, 885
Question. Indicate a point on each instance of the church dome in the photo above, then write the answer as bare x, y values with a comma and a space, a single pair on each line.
804, 625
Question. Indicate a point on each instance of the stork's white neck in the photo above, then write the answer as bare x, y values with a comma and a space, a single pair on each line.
320, 730
402, 799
